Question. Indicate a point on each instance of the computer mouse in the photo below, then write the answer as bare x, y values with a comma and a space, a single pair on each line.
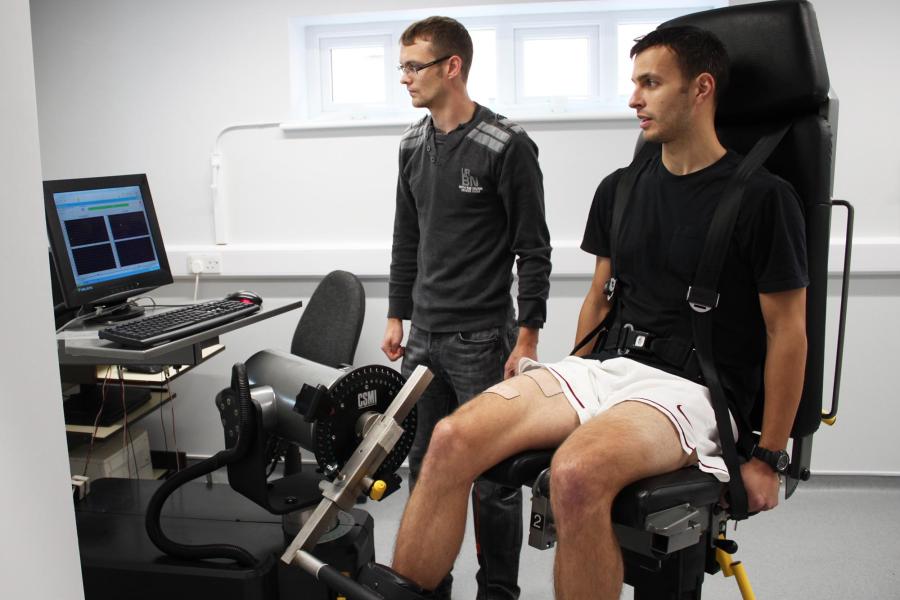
245, 296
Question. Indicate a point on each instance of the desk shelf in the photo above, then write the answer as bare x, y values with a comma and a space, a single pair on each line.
157, 399
114, 372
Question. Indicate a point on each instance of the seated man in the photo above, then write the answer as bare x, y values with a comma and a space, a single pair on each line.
617, 419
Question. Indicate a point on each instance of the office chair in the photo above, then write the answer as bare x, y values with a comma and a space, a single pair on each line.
670, 527
329, 328
328, 331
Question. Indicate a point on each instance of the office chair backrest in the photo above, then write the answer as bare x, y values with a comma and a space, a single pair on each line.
330, 325
778, 75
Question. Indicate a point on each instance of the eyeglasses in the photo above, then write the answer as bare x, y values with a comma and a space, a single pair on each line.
413, 68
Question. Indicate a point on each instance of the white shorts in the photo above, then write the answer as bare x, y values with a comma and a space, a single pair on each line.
592, 387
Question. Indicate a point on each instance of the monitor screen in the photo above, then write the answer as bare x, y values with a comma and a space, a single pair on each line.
104, 238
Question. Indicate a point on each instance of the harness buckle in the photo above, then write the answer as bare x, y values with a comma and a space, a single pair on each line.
609, 288
701, 300
632, 339
622, 348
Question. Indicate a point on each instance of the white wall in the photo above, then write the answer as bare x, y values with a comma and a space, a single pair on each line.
36, 516
128, 86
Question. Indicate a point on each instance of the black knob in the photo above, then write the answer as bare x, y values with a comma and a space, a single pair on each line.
729, 546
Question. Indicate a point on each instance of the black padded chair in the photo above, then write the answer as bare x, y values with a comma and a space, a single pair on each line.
329, 328
328, 331
669, 526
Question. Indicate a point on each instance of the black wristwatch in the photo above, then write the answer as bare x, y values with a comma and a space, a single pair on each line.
779, 461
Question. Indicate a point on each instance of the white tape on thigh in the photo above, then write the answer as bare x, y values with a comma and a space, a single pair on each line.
504, 389
545, 380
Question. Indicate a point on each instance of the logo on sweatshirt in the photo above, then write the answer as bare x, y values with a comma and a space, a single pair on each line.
469, 183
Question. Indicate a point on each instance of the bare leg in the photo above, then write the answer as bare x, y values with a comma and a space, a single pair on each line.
481, 433
628, 442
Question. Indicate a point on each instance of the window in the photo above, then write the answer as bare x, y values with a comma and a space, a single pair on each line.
482, 81
626, 33
556, 63
354, 75
531, 59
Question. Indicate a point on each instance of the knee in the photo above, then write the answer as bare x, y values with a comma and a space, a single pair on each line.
448, 451
580, 488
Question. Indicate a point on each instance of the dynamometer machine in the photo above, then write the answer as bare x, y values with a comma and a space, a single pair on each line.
359, 423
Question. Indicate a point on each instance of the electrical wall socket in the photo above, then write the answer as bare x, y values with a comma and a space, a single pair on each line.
204, 263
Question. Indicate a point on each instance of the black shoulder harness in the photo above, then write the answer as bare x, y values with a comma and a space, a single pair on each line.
702, 295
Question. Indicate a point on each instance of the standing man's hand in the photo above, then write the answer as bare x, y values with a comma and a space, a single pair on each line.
393, 337
526, 347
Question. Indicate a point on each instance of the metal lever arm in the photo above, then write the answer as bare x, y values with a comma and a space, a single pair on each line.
371, 452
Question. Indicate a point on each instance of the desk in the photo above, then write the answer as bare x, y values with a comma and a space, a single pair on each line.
84, 358
81, 346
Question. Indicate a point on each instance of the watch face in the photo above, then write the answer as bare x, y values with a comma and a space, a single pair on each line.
783, 462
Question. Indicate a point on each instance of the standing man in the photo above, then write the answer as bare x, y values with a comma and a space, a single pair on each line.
615, 418
470, 201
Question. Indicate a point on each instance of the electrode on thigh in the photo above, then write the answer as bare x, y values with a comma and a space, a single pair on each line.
504, 389
545, 380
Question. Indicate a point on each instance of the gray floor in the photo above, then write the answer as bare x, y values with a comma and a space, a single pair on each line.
837, 537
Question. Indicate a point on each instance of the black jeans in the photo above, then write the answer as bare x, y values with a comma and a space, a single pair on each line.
465, 364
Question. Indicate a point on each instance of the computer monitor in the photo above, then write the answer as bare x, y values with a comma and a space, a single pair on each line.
105, 242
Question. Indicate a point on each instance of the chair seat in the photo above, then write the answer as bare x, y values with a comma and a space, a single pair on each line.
689, 485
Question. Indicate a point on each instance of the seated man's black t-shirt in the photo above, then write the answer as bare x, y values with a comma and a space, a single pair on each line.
659, 245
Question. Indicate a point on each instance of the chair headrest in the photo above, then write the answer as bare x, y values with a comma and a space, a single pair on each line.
777, 61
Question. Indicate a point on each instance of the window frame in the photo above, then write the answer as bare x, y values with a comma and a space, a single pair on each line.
513, 24
328, 43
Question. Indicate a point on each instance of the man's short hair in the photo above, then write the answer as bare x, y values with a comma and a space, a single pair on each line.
697, 51
448, 37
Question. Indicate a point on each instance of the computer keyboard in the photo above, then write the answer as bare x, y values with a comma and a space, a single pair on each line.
176, 324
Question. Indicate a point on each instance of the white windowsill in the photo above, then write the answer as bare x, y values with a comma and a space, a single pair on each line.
612, 115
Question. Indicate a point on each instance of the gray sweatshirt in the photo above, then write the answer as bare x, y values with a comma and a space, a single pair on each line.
467, 207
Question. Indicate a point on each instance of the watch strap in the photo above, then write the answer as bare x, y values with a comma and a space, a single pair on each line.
778, 461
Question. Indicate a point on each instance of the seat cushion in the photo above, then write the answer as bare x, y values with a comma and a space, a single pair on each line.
520, 469
688, 485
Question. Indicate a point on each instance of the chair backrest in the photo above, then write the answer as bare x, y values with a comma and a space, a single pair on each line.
778, 75
330, 325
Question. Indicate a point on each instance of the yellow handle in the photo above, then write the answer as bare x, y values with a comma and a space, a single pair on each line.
736, 569
378, 490
740, 575
830, 420
724, 560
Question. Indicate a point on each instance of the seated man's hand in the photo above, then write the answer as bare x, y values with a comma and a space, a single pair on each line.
761, 483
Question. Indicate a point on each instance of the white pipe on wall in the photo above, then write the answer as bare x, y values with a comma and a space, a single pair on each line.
219, 204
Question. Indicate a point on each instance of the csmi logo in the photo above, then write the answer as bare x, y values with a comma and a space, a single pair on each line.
367, 399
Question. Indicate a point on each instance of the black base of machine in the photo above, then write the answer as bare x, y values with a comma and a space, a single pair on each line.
349, 548
118, 560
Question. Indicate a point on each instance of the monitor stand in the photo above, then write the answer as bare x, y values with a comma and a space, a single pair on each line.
117, 311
